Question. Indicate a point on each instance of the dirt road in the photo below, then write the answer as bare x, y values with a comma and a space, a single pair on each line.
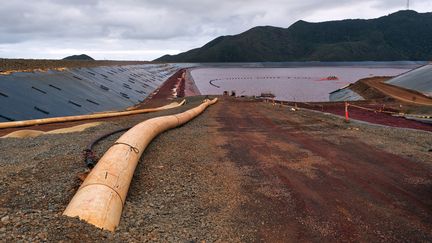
241, 172
305, 178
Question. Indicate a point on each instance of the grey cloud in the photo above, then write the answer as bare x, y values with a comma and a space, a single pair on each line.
83, 24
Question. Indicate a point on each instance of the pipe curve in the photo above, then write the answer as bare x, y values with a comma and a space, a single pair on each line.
100, 199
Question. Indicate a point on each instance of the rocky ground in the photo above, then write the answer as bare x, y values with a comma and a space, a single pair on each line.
176, 194
242, 171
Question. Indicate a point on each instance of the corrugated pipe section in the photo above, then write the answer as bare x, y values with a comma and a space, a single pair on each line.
101, 197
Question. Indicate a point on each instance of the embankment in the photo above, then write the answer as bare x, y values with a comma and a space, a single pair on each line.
78, 91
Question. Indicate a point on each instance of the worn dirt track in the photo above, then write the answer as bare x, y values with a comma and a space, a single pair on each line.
243, 171
304, 183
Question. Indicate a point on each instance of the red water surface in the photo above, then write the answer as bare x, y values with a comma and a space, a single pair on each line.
289, 84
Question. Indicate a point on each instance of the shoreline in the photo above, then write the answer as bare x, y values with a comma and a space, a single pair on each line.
191, 88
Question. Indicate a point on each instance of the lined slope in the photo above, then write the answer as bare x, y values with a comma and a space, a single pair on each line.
33, 95
419, 79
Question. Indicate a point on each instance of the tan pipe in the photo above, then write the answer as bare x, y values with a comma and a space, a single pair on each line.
85, 117
101, 197
24, 133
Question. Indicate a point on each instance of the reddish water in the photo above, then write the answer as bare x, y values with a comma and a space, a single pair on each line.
295, 83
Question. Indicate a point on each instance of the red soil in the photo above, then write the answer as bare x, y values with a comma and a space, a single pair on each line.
190, 87
338, 108
307, 183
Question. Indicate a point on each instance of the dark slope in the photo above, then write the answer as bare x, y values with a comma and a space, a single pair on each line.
79, 57
404, 35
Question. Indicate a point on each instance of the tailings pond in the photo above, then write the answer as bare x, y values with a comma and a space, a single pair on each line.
294, 83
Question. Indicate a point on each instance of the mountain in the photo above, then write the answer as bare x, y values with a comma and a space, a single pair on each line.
79, 57
404, 35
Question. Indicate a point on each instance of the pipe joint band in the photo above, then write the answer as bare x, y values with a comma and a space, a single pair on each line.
101, 184
132, 148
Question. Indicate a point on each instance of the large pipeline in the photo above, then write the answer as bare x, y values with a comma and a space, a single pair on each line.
85, 117
101, 197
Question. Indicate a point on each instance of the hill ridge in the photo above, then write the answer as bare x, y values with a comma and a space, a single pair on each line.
403, 35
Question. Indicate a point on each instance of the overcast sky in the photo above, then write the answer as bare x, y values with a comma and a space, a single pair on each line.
144, 30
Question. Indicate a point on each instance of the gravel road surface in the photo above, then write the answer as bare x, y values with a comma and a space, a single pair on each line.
243, 171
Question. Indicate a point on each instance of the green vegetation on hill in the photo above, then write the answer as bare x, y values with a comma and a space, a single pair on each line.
79, 57
404, 35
